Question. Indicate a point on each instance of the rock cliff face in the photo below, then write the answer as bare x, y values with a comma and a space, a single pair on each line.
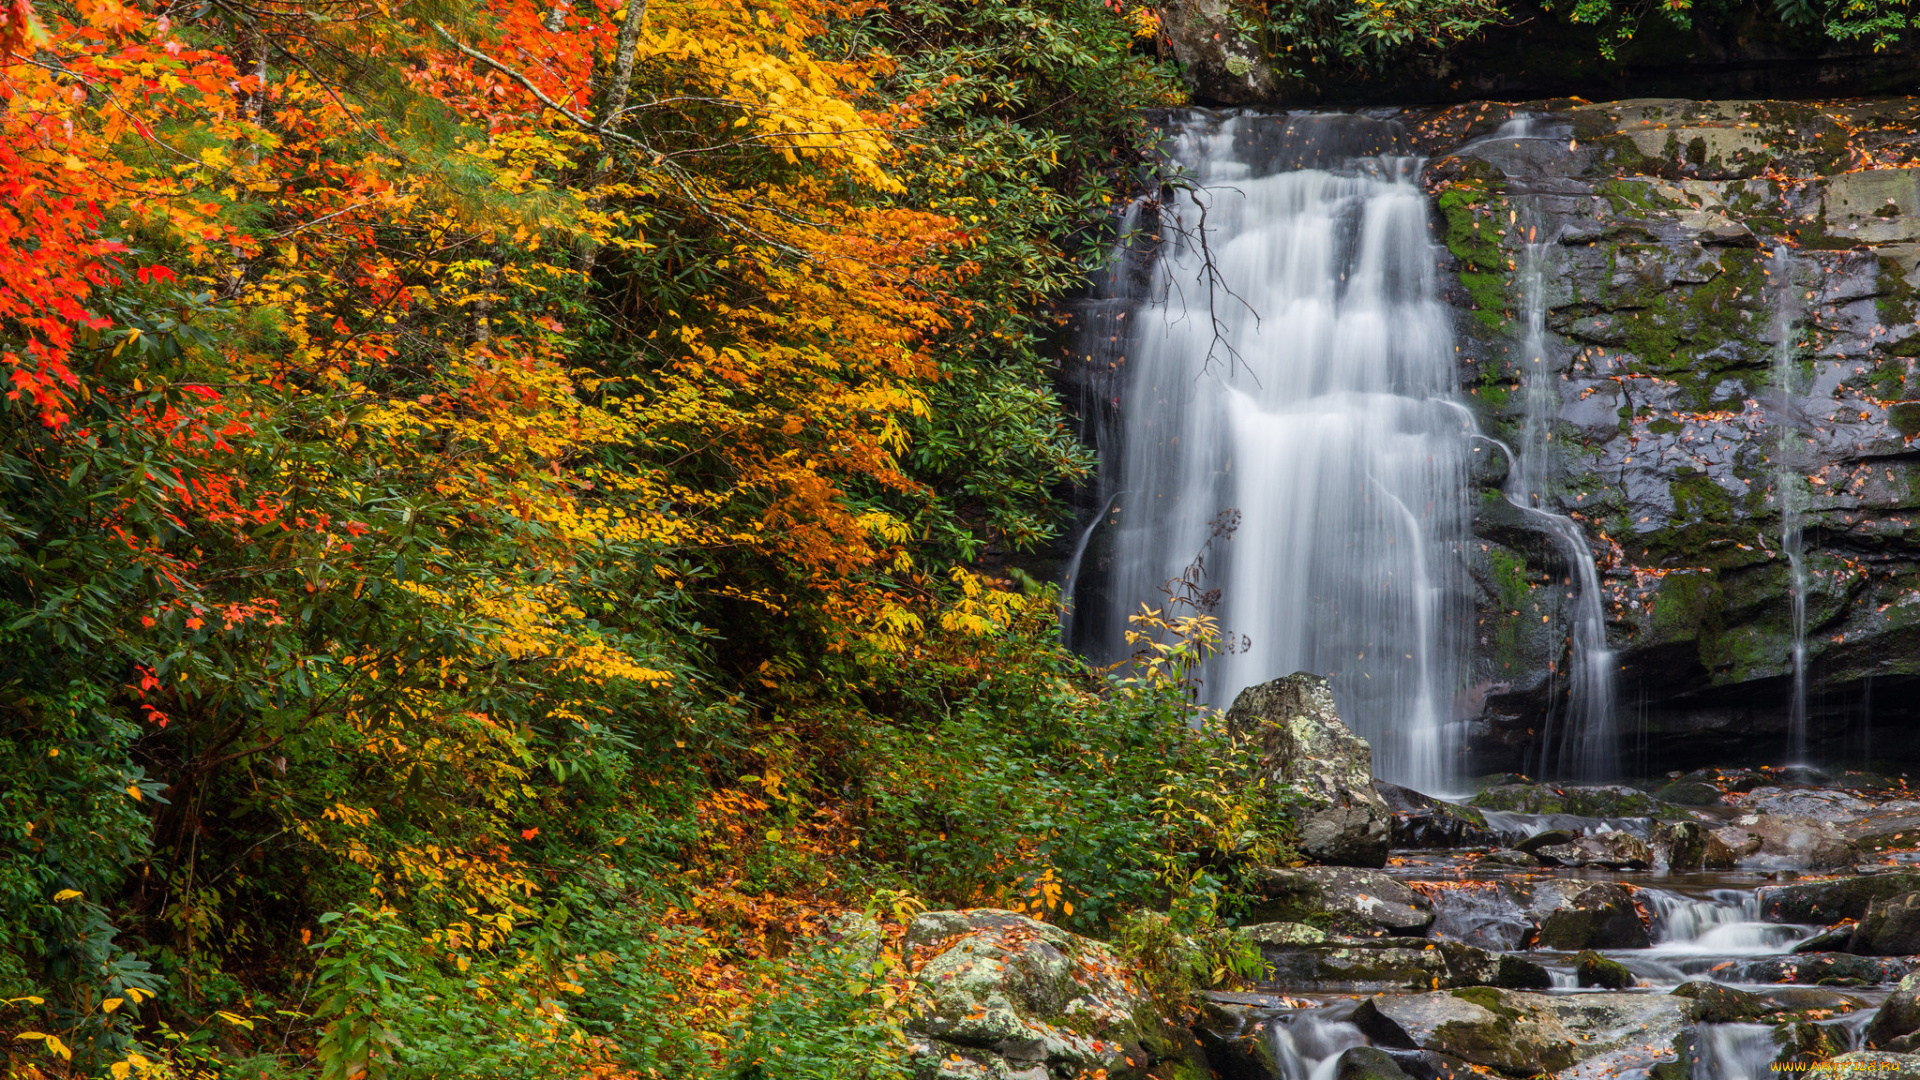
1728, 292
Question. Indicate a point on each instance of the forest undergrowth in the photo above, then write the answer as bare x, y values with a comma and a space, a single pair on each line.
493, 507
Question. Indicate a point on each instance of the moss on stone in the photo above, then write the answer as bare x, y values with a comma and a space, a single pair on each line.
1475, 242
1489, 999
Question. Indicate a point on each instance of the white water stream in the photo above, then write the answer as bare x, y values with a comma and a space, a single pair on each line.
1309, 387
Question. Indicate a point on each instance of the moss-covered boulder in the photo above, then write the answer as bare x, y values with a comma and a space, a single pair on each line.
1591, 969
1003, 995
1575, 915
1595, 801
1896, 1025
1369, 1063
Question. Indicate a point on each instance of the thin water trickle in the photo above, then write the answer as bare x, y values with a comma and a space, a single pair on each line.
1587, 747
1789, 495
1584, 744
1309, 387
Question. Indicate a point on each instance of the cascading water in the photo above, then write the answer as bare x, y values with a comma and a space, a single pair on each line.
1294, 364
1788, 495
1308, 1047
1734, 1052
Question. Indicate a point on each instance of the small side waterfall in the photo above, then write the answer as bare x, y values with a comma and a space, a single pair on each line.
1585, 748
1294, 364
1788, 492
1581, 742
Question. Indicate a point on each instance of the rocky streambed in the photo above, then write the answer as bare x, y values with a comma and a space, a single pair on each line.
1715, 925
1719, 925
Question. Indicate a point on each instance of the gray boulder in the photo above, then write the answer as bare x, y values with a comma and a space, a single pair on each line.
1369, 1063
1421, 821
1011, 997
1307, 750
1891, 927
1360, 900
1896, 1026
1834, 899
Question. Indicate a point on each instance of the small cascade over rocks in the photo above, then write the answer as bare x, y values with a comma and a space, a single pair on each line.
1734, 1052
1309, 1047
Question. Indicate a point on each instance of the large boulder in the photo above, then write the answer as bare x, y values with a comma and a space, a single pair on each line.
1834, 899
1575, 915
1307, 750
1003, 995
1359, 900
1520, 1034
1480, 913
1896, 1026
1220, 65
1891, 927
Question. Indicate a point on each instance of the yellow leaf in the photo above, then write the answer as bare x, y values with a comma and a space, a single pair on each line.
111, 1004
134, 790
30, 1035
119, 1069
65, 895
237, 1021
59, 1047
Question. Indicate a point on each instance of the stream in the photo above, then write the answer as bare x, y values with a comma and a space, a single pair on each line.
1700, 927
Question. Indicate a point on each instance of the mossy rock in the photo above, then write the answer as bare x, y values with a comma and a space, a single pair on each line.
1592, 969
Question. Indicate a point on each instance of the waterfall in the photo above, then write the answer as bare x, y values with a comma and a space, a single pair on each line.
1587, 747
1293, 365
1788, 495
